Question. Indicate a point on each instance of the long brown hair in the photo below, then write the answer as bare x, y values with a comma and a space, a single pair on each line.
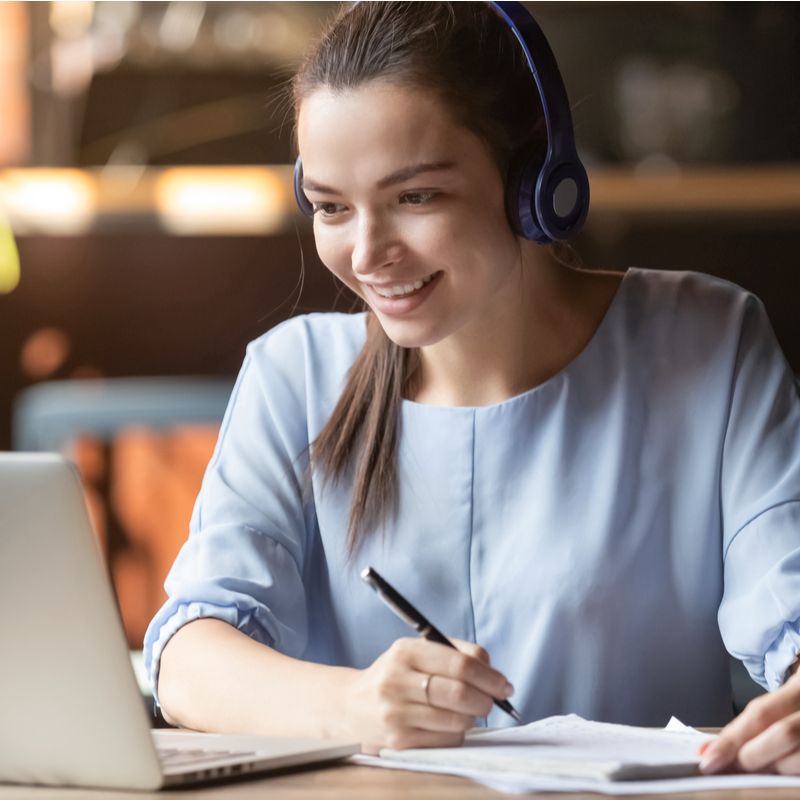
468, 56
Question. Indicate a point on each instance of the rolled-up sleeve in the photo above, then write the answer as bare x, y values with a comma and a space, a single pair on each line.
759, 616
243, 562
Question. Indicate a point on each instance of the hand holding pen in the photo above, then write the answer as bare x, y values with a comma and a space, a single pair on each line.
400, 606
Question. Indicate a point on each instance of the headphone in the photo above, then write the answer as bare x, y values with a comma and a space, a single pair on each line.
547, 193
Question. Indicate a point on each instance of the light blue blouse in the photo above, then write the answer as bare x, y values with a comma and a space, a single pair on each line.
605, 535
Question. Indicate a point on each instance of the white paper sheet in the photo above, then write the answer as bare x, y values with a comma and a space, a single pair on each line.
573, 737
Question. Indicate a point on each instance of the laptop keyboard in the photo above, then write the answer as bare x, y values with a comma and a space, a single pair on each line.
172, 757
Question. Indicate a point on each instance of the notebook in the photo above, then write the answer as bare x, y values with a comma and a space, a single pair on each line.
71, 709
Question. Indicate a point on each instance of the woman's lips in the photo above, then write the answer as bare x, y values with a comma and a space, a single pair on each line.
399, 304
401, 289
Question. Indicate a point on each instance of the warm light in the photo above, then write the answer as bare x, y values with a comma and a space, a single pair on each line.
9, 259
181, 24
59, 202
233, 200
71, 18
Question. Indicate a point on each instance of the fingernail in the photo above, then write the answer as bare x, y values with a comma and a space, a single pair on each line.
712, 761
508, 690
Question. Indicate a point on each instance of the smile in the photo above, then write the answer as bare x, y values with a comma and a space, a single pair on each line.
400, 290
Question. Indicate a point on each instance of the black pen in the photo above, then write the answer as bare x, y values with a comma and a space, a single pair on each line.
412, 617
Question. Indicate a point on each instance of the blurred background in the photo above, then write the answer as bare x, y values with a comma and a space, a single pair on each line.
148, 228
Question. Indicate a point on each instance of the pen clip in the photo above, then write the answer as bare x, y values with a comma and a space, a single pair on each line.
374, 581
396, 610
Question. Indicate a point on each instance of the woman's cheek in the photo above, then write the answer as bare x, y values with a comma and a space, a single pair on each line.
328, 252
335, 255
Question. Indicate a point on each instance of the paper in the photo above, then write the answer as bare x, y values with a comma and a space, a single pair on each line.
580, 756
570, 747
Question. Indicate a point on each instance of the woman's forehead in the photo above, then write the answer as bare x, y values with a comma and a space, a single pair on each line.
387, 125
377, 104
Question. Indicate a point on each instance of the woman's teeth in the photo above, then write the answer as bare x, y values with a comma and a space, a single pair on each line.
399, 291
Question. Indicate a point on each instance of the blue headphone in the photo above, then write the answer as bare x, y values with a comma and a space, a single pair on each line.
549, 191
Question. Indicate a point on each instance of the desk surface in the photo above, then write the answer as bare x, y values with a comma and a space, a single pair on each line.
348, 782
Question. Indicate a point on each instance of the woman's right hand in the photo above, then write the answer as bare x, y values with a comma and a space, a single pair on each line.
421, 694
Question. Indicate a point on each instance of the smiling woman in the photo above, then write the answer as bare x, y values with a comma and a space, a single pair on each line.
417, 197
410, 213
594, 477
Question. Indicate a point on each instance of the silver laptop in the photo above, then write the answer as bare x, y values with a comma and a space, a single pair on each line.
71, 712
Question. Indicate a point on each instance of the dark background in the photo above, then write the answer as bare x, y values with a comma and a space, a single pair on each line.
141, 302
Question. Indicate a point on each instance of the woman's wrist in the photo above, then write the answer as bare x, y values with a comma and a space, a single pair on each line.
334, 704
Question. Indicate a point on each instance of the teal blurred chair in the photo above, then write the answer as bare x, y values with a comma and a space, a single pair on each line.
49, 415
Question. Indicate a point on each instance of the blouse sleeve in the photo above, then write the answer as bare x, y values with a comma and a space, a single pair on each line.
759, 617
243, 562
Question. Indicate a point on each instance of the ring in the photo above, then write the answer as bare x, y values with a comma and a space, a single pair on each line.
425, 683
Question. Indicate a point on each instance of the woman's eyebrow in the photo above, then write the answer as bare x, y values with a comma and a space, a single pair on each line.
313, 186
400, 176
412, 171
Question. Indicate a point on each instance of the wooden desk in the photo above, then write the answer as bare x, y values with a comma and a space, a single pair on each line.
346, 782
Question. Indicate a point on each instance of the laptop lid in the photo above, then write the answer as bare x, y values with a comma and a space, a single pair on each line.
70, 706
71, 710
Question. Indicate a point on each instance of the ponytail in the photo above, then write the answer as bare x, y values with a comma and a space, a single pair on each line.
364, 430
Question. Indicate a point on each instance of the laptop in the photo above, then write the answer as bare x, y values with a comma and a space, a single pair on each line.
71, 712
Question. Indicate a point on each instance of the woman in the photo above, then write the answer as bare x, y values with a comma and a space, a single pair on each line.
595, 476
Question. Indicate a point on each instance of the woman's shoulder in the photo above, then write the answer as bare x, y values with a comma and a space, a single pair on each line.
685, 320
297, 370
684, 291
304, 361
684, 305
311, 338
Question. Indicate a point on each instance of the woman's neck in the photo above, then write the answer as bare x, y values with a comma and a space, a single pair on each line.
548, 315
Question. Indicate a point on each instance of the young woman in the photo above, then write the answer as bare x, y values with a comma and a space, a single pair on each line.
593, 477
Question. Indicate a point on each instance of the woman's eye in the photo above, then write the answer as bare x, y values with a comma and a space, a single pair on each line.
326, 209
417, 198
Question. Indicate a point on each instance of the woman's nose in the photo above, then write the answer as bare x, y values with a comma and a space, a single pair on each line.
375, 245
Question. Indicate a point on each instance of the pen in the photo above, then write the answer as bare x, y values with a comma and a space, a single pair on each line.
412, 617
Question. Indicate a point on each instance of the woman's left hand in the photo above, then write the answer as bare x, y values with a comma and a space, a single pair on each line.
765, 737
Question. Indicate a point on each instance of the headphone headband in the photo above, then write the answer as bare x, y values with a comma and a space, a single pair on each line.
550, 192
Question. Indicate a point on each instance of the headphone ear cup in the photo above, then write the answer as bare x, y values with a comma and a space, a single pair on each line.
299, 194
562, 199
523, 176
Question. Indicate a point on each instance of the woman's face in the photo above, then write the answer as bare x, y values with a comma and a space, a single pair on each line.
409, 211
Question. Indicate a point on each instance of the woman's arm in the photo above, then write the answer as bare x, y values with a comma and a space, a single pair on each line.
215, 678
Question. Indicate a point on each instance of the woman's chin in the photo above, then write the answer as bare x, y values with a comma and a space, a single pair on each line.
409, 335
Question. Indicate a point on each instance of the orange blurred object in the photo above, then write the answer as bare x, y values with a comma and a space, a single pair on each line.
141, 490
89, 456
44, 352
15, 104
